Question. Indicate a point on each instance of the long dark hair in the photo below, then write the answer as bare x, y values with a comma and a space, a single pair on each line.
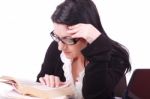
71, 12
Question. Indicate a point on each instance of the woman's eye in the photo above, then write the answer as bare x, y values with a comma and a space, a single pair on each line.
70, 40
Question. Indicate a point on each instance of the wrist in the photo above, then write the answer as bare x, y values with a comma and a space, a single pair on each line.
93, 37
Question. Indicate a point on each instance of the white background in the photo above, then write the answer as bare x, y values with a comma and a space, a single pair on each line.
25, 27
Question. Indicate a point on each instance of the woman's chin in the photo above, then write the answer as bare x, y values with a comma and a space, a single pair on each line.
69, 56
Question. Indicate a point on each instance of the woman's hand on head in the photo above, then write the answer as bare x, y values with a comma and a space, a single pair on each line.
85, 31
51, 81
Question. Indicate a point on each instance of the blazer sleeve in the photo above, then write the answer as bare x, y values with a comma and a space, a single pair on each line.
52, 64
104, 70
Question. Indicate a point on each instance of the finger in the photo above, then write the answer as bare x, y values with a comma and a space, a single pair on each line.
62, 83
52, 80
79, 34
47, 80
42, 81
57, 81
73, 26
73, 31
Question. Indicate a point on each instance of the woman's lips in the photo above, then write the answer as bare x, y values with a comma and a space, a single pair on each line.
66, 52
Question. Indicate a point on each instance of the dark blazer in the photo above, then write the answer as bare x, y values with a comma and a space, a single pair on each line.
105, 68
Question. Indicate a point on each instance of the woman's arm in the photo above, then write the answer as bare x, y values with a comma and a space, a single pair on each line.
52, 64
105, 69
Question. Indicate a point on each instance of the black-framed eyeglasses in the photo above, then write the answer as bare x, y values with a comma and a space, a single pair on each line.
65, 40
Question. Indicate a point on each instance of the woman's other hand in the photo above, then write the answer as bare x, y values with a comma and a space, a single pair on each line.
51, 81
85, 31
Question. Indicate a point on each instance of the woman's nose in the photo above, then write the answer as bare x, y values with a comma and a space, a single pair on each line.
61, 46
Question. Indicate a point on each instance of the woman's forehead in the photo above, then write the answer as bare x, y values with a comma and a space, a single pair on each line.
61, 30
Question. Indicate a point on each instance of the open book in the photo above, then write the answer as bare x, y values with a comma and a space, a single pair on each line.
36, 89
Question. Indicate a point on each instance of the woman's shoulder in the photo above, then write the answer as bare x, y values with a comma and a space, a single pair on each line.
118, 58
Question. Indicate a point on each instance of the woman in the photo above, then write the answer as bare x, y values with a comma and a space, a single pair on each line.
87, 56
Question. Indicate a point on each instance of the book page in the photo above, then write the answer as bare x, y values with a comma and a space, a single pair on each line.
37, 89
14, 95
8, 92
11, 81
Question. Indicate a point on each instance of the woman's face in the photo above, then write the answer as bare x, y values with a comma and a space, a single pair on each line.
70, 51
